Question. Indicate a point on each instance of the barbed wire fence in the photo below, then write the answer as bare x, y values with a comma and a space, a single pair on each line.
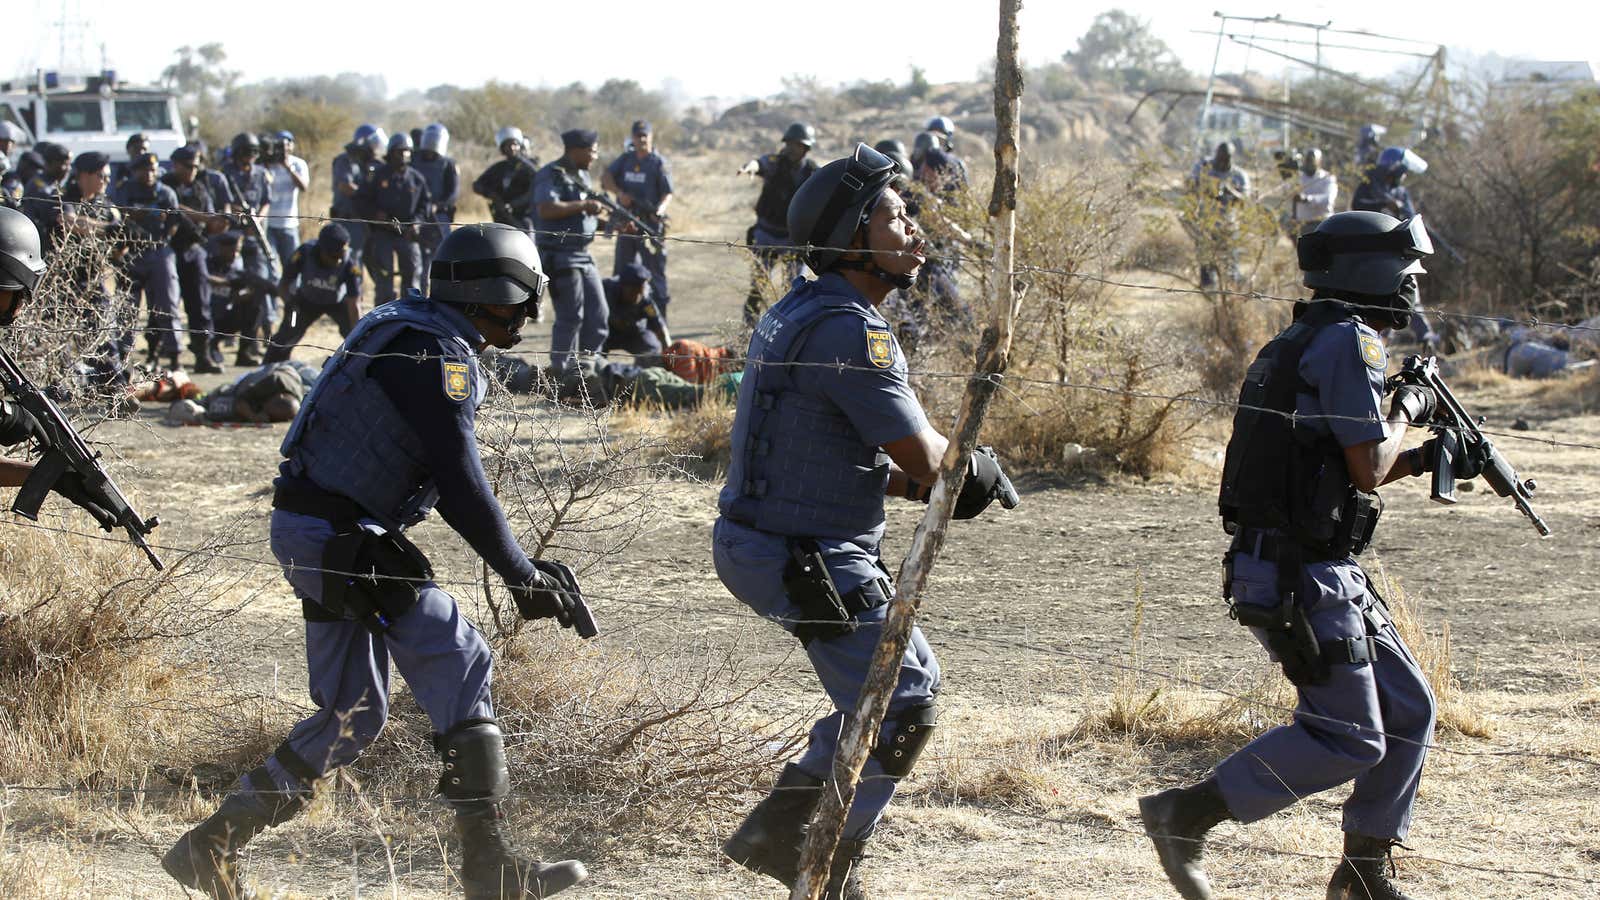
517, 436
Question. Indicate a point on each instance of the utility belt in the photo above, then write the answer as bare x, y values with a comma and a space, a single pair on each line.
371, 574
825, 612
1286, 626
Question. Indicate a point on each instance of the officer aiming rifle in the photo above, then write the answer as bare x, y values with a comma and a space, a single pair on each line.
615, 211
1458, 448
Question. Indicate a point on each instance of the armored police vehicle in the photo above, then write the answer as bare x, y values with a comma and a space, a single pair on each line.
96, 112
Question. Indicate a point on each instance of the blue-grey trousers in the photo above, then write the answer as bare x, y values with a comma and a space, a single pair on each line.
387, 255
751, 564
154, 276
1369, 723
579, 301
442, 656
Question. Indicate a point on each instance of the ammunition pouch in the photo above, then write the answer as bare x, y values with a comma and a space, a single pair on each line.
1286, 627
370, 574
825, 613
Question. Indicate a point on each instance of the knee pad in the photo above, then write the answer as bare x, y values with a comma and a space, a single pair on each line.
912, 731
474, 754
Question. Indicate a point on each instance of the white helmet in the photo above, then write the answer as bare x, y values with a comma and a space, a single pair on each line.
509, 133
436, 138
10, 132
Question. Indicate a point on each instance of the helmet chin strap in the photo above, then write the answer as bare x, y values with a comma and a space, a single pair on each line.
903, 280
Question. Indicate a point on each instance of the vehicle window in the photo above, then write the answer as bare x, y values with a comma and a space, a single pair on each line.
74, 115
142, 115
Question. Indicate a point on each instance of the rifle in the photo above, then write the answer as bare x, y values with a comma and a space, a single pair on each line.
65, 451
651, 235
253, 225
1457, 434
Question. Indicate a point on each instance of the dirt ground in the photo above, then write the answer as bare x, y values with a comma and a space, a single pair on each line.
1034, 615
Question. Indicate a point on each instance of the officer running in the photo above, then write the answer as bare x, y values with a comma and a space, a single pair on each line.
319, 279
642, 180
781, 173
567, 219
396, 202
826, 426
508, 184
386, 435
444, 185
1311, 443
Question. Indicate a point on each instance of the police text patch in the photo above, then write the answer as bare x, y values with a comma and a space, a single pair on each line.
1372, 352
457, 381
880, 348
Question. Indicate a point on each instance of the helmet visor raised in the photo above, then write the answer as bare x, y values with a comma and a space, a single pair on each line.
497, 267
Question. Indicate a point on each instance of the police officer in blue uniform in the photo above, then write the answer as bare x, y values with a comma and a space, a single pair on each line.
635, 324
397, 200
197, 209
508, 184
781, 173
826, 426
251, 184
444, 185
41, 194
1382, 190
1311, 443
319, 279
350, 170
567, 219
642, 180
387, 435
150, 209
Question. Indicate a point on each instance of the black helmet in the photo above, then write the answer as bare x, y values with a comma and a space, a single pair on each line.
832, 203
333, 236
1366, 257
890, 146
52, 152
21, 260
245, 142
400, 141
492, 265
801, 133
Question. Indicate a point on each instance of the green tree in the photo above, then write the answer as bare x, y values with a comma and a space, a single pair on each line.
1120, 48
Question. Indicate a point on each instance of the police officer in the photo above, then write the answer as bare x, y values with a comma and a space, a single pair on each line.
635, 324
1311, 443
350, 170
196, 218
319, 278
14, 179
781, 173
1220, 186
444, 185
84, 209
238, 293
9, 136
251, 185
1382, 190
41, 194
642, 180
508, 184
396, 201
937, 165
817, 445
567, 218
386, 435
151, 211
22, 264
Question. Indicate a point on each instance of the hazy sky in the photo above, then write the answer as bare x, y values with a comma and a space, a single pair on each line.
718, 47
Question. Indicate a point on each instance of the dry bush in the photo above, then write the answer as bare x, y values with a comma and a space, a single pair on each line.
1459, 711
97, 681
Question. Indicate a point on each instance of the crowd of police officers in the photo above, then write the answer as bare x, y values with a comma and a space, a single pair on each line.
827, 427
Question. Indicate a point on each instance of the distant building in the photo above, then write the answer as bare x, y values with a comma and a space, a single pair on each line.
1547, 75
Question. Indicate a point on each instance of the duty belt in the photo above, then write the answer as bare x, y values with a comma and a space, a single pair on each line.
320, 504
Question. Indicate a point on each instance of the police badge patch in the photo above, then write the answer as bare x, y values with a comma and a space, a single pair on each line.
1372, 352
457, 381
880, 348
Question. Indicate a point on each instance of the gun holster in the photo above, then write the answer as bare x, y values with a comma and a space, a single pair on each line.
1285, 627
373, 576
825, 613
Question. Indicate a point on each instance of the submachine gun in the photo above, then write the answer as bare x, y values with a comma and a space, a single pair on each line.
66, 452
1457, 435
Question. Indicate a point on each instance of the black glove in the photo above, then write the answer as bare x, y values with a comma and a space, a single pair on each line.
18, 425
71, 486
1473, 459
543, 596
985, 483
1416, 402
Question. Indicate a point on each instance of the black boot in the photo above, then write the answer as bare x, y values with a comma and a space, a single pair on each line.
491, 870
844, 879
1176, 821
769, 840
1361, 875
206, 857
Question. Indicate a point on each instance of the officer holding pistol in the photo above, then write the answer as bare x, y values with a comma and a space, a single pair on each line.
387, 435
1311, 443
826, 426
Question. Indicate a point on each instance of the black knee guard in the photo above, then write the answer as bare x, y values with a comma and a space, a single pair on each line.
912, 731
474, 754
